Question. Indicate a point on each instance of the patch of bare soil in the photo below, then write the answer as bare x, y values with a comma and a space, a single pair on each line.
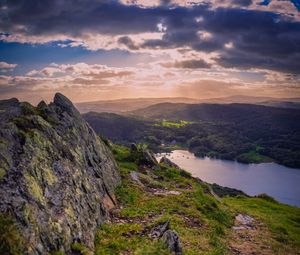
249, 237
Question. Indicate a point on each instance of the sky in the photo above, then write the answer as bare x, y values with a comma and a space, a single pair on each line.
101, 50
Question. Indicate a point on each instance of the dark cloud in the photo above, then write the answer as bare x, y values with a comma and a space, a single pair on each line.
260, 39
125, 40
189, 64
242, 2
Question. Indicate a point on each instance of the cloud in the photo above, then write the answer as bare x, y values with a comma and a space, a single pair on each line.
188, 64
4, 65
93, 71
243, 34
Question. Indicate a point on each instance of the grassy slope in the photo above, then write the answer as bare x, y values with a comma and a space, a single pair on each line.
203, 223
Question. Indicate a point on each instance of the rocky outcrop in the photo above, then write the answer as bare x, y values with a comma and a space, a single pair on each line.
169, 237
143, 156
57, 178
168, 162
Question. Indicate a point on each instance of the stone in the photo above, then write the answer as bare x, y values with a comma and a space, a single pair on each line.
135, 177
149, 159
59, 177
168, 162
172, 241
159, 230
244, 219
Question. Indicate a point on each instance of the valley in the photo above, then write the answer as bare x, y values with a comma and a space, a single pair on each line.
243, 132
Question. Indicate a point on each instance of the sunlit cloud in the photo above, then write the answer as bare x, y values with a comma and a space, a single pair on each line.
237, 46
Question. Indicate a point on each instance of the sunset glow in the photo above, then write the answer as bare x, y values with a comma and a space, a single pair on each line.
99, 49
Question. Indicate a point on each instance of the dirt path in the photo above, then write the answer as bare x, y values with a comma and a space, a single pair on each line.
249, 237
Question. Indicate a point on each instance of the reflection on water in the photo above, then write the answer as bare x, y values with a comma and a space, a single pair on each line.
278, 181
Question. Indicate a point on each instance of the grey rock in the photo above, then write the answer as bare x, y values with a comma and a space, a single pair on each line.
169, 237
135, 177
133, 147
149, 159
168, 162
159, 230
57, 177
172, 241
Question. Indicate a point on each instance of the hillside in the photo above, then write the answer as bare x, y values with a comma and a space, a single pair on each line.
243, 132
116, 127
218, 112
132, 104
202, 219
125, 105
57, 178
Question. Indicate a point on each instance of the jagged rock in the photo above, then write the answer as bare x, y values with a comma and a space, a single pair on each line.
57, 178
172, 241
149, 159
168, 162
169, 237
143, 156
135, 177
133, 147
159, 230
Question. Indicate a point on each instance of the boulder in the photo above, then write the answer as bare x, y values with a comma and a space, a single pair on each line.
57, 177
169, 237
168, 162
172, 241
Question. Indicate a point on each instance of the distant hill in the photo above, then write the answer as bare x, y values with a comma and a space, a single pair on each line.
282, 104
220, 112
131, 104
245, 132
116, 127
125, 105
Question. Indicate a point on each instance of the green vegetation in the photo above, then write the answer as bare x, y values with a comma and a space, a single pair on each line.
11, 242
178, 124
202, 222
2, 172
283, 221
246, 133
79, 248
189, 212
253, 157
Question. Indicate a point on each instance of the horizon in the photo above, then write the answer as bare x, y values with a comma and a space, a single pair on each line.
162, 98
155, 49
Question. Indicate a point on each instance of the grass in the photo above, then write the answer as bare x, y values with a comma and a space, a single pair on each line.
203, 223
198, 218
283, 221
179, 124
253, 157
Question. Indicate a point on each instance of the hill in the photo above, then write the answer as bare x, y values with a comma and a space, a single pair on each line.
219, 112
244, 132
131, 104
125, 105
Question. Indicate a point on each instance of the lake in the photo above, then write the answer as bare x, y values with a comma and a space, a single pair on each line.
280, 182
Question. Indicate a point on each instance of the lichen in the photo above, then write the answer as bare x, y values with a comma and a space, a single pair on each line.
70, 212
34, 188
49, 176
2, 172
11, 241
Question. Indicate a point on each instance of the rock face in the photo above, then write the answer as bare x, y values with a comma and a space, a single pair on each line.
57, 178
168, 162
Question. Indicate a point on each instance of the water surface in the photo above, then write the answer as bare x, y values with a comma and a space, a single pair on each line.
278, 181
